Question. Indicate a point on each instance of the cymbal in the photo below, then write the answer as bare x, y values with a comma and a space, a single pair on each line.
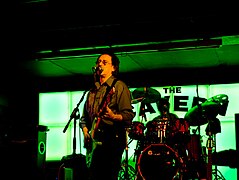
145, 95
221, 99
202, 113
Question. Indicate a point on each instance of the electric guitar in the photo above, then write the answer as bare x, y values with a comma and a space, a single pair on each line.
96, 131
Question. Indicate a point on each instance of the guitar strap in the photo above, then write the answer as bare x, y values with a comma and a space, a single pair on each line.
106, 93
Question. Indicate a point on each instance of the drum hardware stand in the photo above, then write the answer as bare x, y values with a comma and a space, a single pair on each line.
209, 160
162, 127
126, 176
215, 171
211, 131
127, 172
142, 111
194, 158
137, 151
143, 114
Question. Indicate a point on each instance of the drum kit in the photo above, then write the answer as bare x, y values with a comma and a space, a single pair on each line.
167, 150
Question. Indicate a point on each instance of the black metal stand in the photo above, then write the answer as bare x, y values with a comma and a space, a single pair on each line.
195, 164
211, 130
75, 117
75, 161
127, 172
215, 172
126, 157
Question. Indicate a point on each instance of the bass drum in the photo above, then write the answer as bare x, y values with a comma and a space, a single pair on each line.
159, 161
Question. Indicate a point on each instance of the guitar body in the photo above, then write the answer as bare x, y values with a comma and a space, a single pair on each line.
90, 150
93, 142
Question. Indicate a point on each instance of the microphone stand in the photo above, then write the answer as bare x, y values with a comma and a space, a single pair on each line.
72, 160
74, 116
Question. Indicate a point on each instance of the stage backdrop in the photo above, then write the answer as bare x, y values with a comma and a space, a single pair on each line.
55, 111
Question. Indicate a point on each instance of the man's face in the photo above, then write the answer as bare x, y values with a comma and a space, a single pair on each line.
105, 63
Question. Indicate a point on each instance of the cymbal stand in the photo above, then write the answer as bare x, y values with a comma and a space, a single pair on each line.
142, 113
127, 172
194, 154
209, 160
126, 175
211, 144
215, 171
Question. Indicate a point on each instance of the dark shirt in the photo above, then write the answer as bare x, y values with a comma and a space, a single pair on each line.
120, 103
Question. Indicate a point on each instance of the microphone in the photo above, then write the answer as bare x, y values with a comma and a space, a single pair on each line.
97, 69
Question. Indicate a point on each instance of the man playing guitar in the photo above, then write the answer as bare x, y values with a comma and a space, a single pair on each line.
106, 116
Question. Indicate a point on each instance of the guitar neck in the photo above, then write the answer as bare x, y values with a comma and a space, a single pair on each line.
95, 126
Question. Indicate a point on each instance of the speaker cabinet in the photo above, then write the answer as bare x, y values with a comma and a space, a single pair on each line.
26, 153
41, 151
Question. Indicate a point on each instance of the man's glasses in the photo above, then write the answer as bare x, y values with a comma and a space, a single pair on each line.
103, 62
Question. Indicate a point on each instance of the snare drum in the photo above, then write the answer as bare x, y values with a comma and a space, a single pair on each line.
136, 131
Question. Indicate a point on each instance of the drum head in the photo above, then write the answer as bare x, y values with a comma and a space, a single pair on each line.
158, 161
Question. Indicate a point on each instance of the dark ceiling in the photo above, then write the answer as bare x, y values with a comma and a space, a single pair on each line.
173, 43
